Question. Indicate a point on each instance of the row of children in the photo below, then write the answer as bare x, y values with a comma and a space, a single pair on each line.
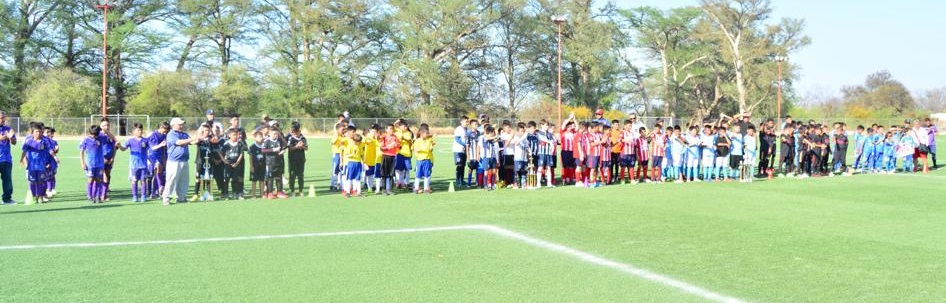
381, 160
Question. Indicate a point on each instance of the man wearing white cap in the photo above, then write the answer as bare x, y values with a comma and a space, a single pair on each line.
177, 172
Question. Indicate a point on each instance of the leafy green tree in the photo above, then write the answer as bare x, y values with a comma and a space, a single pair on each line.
170, 93
237, 92
60, 93
881, 93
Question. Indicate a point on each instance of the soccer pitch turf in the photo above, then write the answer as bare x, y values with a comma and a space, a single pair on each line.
867, 238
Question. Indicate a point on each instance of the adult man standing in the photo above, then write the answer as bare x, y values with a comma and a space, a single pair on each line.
933, 132
635, 125
7, 140
599, 118
216, 126
178, 172
235, 125
744, 123
459, 149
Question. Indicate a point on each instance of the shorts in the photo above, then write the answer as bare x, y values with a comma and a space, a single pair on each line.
387, 166
424, 169
402, 162
36, 176
606, 165
473, 164
259, 172
521, 166
138, 174
628, 160
749, 158
722, 161
643, 164
592, 162
568, 159
657, 161
545, 160
735, 161
708, 160
693, 161
93, 172
353, 170
51, 172
154, 164
108, 166
488, 163
459, 158
373, 170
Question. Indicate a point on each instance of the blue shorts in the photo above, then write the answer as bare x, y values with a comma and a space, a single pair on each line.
374, 171
545, 160
36, 176
592, 162
138, 174
51, 172
473, 164
402, 162
628, 160
606, 165
336, 164
153, 164
521, 166
93, 172
353, 170
568, 159
488, 163
424, 169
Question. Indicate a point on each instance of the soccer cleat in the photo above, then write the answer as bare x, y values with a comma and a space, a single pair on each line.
195, 198
282, 195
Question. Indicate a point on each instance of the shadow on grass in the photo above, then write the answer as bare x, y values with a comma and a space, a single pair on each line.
83, 207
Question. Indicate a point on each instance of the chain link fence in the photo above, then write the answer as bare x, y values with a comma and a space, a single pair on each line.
78, 126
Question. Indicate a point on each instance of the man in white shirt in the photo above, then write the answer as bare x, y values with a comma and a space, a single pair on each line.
635, 124
459, 148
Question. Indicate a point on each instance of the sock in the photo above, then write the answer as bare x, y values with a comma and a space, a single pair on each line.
387, 184
416, 184
356, 187
88, 190
134, 189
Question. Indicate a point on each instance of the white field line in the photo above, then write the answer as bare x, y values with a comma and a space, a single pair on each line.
495, 230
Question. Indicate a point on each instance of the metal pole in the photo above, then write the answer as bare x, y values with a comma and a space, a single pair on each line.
559, 92
778, 110
104, 56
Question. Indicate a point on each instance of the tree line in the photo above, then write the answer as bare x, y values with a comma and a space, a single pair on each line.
419, 58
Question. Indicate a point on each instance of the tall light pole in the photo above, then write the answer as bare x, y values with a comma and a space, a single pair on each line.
778, 109
104, 7
559, 20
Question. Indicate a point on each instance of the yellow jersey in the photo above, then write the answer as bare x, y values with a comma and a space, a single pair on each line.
353, 152
337, 142
407, 139
616, 146
372, 150
424, 149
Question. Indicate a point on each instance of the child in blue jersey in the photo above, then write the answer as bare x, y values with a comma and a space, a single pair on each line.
906, 149
53, 170
678, 151
36, 159
890, 158
93, 161
472, 141
707, 153
878, 157
138, 172
489, 157
108, 145
157, 158
861, 150
693, 154
666, 168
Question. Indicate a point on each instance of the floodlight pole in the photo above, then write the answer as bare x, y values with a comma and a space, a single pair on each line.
778, 109
559, 20
104, 7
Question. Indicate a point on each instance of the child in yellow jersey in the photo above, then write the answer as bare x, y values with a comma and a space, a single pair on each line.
402, 163
353, 154
424, 152
372, 151
336, 143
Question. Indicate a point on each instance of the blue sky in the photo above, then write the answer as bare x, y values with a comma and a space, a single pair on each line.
851, 39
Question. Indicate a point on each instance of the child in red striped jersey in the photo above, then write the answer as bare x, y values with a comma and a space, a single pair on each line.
582, 147
658, 152
629, 151
568, 136
642, 150
606, 155
593, 160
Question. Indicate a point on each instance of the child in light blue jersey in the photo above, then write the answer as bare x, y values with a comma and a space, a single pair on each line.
890, 158
877, 139
861, 151
678, 149
736, 151
692, 140
707, 153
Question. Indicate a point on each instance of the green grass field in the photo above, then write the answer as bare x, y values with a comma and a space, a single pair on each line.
867, 238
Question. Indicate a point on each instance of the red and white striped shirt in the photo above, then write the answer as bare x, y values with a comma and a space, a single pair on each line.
642, 149
568, 140
581, 145
658, 147
629, 140
605, 148
594, 150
